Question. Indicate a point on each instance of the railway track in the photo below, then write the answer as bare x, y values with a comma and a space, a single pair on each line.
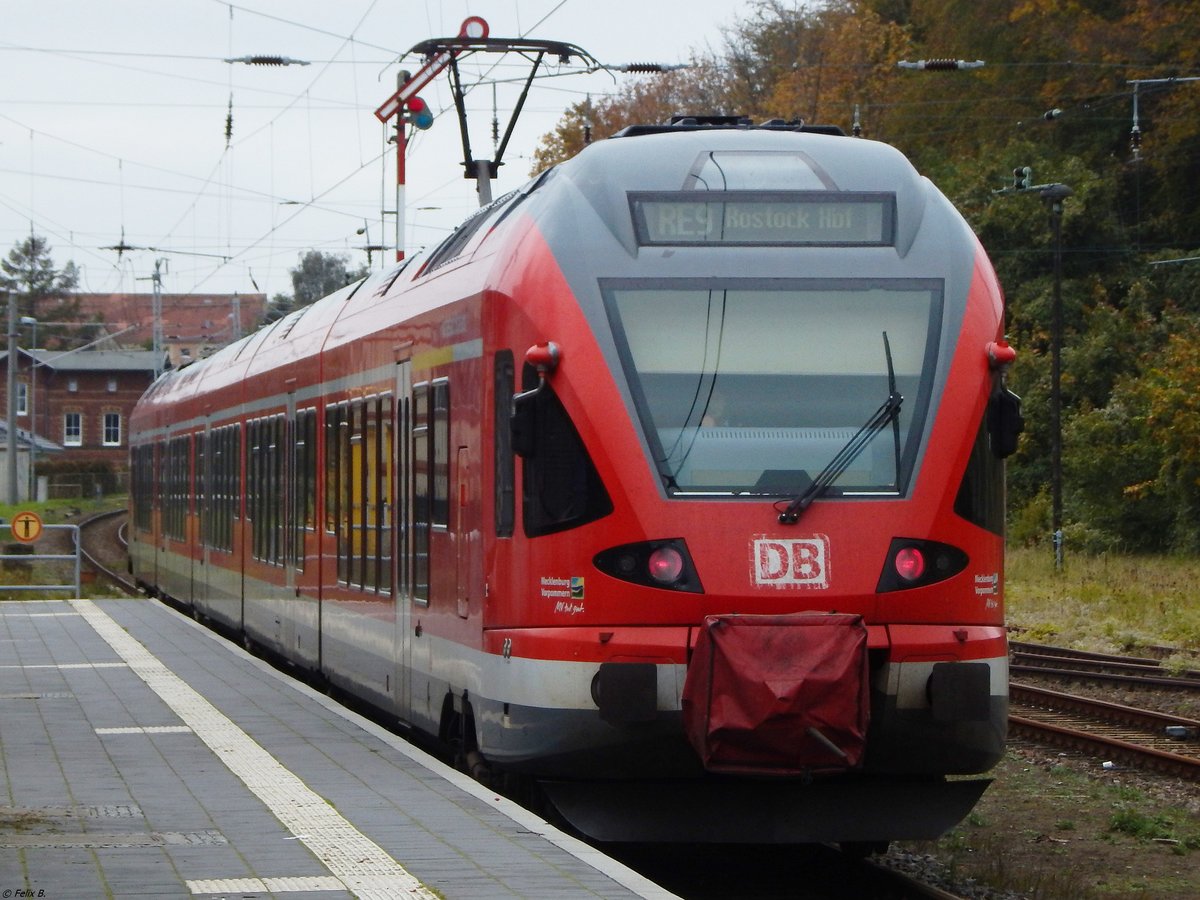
104, 549
1038, 659
1143, 738
1116, 732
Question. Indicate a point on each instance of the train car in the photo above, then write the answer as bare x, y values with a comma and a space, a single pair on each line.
671, 481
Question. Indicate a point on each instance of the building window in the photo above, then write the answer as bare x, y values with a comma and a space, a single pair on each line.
73, 429
112, 429
73, 385
22, 399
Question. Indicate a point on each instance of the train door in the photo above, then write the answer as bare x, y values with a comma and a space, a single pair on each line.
401, 551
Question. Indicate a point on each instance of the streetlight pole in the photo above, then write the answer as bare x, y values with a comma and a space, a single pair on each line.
11, 409
1053, 195
33, 447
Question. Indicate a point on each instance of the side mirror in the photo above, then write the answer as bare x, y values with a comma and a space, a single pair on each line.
1005, 422
544, 359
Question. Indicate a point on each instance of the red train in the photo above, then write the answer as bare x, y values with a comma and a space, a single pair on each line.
719, 557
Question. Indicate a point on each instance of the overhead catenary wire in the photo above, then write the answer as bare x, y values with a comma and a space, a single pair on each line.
197, 216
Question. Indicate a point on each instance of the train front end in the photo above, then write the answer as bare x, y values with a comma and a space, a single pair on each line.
754, 585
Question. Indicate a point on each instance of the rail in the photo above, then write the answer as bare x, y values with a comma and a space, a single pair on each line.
1112, 730
74, 557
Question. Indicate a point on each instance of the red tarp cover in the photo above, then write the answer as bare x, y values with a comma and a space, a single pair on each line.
779, 695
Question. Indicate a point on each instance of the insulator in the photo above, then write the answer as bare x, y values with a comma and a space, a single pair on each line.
266, 61
642, 68
941, 65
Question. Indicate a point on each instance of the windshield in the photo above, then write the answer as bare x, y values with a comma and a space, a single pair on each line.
753, 387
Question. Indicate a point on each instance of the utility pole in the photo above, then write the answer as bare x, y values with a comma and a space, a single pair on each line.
1053, 195
156, 313
12, 398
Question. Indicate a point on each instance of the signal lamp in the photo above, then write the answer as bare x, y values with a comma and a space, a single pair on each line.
418, 112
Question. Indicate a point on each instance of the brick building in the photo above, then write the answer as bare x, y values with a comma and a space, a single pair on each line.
79, 400
193, 325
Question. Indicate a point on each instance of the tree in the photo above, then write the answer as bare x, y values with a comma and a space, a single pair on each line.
699, 89
318, 275
1057, 94
814, 64
43, 291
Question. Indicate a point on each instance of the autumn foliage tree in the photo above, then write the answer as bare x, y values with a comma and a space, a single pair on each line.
1057, 93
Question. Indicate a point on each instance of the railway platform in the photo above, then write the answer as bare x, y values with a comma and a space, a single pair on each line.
143, 756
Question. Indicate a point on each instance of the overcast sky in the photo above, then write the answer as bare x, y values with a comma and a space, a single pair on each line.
113, 121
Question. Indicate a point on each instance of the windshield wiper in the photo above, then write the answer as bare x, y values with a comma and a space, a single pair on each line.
889, 411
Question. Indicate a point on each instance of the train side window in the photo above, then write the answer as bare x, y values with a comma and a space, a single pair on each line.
275, 436
237, 475
561, 487
502, 416
214, 488
203, 487
177, 488
229, 467
310, 470
384, 454
331, 468
421, 458
264, 488
980, 497
356, 502
254, 487
402, 482
338, 484
440, 440
371, 484
301, 484
143, 476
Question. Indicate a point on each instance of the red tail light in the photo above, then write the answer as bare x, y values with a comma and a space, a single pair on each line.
659, 564
665, 565
910, 563
913, 563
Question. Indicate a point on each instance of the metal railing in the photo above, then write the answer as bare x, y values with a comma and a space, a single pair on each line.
72, 557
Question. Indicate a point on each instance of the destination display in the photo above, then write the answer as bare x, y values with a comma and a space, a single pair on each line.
784, 219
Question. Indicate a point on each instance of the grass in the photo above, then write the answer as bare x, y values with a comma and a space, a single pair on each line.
55, 512
1046, 829
1108, 603
1117, 840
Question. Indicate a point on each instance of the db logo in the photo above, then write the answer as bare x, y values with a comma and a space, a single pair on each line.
797, 563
